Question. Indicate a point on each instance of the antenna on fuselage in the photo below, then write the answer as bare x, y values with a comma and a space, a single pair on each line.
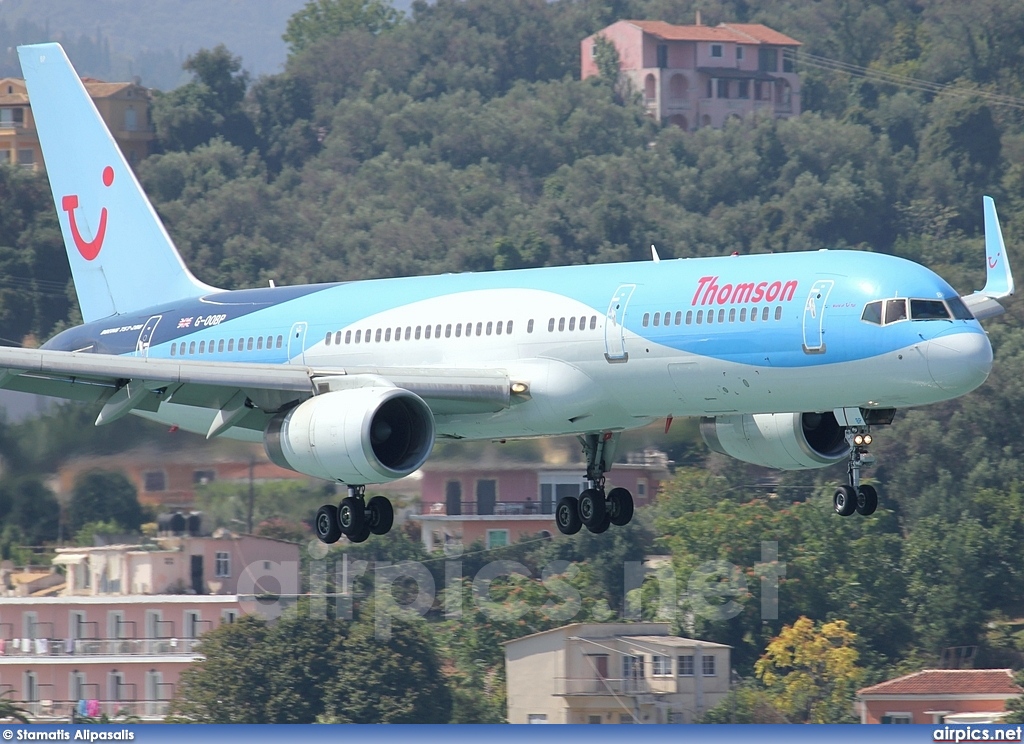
654, 254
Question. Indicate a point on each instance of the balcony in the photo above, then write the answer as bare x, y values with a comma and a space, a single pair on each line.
490, 509
565, 686
46, 647
65, 711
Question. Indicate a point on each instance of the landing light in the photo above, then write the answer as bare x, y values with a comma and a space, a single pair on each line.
861, 439
518, 388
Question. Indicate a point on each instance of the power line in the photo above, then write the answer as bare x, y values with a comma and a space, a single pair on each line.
924, 86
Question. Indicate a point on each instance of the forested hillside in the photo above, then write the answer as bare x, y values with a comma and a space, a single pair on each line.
460, 139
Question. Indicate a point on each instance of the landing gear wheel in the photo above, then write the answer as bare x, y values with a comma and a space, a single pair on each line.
567, 515
327, 528
620, 506
844, 501
351, 516
380, 515
592, 508
602, 526
360, 536
867, 500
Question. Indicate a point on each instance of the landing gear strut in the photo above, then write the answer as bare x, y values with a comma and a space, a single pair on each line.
354, 518
594, 509
855, 497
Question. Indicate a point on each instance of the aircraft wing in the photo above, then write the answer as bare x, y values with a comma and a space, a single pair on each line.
998, 278
243, 395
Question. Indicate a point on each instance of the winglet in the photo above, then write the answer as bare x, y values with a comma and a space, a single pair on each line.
654, 254
998, 277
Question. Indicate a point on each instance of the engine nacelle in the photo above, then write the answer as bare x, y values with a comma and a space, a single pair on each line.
786, 441
358, 436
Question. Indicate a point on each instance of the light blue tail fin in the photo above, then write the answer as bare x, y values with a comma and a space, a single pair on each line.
122, 258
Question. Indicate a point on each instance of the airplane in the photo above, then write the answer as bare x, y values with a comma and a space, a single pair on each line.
788, 359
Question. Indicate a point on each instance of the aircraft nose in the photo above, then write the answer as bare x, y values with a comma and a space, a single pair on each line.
959, 361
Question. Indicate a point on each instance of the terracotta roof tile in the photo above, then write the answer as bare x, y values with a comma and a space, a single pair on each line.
761, 33
949, 682
742, 33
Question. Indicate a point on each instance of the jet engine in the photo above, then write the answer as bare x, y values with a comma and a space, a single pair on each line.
786, 441
357, 436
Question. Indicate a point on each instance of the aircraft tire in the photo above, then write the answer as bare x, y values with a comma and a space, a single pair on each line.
867, 500
567, 515
620, 506
844, 501
602, 526
380, 515
592, 508
326, 524
351, 516
361, 536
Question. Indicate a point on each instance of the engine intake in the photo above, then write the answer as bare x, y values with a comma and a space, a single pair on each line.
786, 441
358, 436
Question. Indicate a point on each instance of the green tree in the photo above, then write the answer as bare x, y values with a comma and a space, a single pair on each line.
320, 19
104, 496
747, 703
30, 508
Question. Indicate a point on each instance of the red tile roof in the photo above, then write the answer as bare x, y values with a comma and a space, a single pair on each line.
742, 33
948, 682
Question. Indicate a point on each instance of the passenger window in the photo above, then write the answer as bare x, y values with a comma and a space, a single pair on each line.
376, 336
700, 316
408, 333
646, 320
337, 339
248, 345
732, 315
657, 317
174, 348
561, 324
426, 332
231, 345
280, 339
583, 322
497, 328
348, 337
490, 327
753, 314
764, 314
711, 316
259, 343
508, 327
202, 347
743, 314
458, 330
529, 326
928, 310
895, 310
220, 346
448, 331
437, 330
960, 310
398, 333
872, 312
778, 313
328, 337
593, 322
418, 331
387, 334
479, 328
551, 325
192, 347
572, 323
689, 317
721, 315
679, 317
359, 336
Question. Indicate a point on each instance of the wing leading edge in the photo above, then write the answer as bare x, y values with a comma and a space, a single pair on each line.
242, 395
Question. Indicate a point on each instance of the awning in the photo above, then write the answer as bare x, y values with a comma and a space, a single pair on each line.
69, 559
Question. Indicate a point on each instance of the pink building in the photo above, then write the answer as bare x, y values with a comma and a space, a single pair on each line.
117, 633
500, 503
699, 76
936, 696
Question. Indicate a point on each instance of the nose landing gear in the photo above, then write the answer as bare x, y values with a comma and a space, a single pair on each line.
594, 509
855, 497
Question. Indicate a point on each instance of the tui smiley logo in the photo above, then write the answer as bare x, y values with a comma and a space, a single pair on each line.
88, 248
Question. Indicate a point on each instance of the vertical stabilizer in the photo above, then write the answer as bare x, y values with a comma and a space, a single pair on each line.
122, 258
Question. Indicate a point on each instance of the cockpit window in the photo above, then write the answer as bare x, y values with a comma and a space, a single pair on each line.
873, 312
895, 310
960, 311
928, 310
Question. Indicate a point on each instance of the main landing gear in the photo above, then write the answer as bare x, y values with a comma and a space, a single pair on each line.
594, 509
353, 518
855, 497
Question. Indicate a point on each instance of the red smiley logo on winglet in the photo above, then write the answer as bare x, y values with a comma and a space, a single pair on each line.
88, 248
993, 261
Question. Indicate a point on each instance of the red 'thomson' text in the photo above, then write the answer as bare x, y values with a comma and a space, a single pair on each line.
710, 293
